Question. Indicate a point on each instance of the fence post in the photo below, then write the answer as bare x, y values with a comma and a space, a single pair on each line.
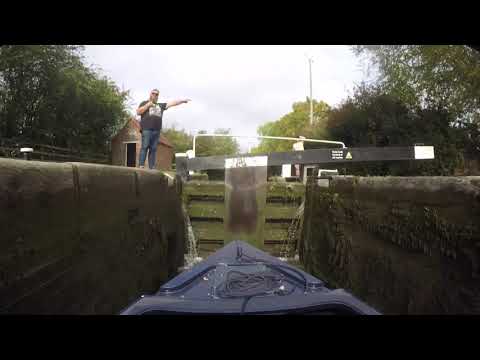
181, 166
26, 153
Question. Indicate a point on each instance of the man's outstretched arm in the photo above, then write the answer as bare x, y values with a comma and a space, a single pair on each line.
177, 102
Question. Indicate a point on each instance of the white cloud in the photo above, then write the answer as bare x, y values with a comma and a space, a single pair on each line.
236, 87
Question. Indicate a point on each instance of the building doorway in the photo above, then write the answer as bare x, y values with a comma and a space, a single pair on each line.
131, 158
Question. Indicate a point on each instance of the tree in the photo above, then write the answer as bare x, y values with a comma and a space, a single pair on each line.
294, 124
180, 139
206, 146
373, 118
445, 78
48, 96
210, 146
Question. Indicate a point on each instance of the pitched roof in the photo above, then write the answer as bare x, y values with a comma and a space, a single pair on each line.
136, 124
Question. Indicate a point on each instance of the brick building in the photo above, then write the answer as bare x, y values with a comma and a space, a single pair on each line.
126, 146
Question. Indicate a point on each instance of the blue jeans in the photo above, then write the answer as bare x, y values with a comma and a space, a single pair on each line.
149, 142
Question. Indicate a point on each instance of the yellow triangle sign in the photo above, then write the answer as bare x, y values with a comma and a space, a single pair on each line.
348, 156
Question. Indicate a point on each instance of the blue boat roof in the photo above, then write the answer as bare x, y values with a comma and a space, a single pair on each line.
240, 279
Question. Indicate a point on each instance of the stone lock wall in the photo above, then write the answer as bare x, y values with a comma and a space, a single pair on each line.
79, 238
403, 245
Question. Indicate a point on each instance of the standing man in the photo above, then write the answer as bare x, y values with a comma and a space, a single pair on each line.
151, 113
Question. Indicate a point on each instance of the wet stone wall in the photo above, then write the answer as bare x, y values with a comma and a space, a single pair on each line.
403, 245
79, 238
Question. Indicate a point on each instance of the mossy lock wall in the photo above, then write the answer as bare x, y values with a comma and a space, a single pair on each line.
404, 245
80, 238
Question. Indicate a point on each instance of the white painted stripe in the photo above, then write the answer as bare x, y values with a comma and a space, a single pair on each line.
246, 161
170, 179
286, 170
424, 152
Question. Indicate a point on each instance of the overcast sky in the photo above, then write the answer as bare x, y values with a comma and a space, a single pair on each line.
235, 87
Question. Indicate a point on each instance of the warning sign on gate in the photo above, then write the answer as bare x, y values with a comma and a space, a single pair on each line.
337, 154
341, 155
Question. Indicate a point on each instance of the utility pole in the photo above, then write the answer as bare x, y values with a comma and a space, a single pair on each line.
311, 100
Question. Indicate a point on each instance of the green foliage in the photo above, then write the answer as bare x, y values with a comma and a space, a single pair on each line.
373, 118
423, 94
294, 124
48, 96
180, 139
443, 77
206, 146
210, 146
446, 77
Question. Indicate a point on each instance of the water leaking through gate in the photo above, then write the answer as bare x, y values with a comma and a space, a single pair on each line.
245, 199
